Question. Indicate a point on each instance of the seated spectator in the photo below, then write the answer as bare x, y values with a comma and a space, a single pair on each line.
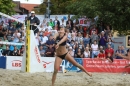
16, 36
46, 32
9, 35
101, 49
51, 23
109, 58
6, 52
110, 43
79, 54
123, 48
15, 51
50, 42
95, 50
21, 51
86, 53
12, 28
44, 39
109, 50
42, 51
79, 37
119, 51
50, 51
71, 51
72, 43
101, 55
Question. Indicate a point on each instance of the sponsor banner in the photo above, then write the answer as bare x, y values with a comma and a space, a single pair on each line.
14, 62
3, 62
71, 67
48, 63
97, 65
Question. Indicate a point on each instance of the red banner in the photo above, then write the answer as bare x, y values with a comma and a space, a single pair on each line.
97, 65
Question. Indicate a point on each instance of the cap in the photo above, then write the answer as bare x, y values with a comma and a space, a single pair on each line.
32, 11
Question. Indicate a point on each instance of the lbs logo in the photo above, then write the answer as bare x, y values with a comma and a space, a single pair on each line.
16, 63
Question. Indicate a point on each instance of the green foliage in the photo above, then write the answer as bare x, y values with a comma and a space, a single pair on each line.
113, 12
6, 6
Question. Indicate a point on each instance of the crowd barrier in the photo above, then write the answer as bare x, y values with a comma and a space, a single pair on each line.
91, 65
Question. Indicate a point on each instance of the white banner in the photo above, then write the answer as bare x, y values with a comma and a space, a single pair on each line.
14, 62
48, 63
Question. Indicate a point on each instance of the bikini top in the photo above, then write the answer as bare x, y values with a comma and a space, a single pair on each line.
58, 39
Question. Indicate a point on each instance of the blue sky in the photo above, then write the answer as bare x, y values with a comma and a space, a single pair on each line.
30, 1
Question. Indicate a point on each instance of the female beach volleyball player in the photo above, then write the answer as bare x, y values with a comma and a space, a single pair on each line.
125, 57
62, 53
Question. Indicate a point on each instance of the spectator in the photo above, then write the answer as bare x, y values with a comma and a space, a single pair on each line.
79, 54
43, 41
87, 53
9, 35
109, 50
123, 48
94, 37
50, 42
6, 52
109, 58
69, 22
71, 52
94, 48
119, 51
47, 27
43, 24
16, 36
79, 38
51, 23
34, 21
50, 51
63, 23
101, 55
21, 51
110, 43
57, 23
15, 51
38, 39
86, 40
103, 40
42, 51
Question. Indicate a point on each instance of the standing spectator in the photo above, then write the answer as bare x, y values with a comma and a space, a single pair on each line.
86, 40
57, 22
102, 40
94, 48
50, 51
86, 53
107, 31
94, 37
63, 23
34, 21
43, 24
119, 51
94, 29
109, 50
69, 22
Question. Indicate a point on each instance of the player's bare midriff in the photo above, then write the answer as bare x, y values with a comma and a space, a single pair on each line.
61, 50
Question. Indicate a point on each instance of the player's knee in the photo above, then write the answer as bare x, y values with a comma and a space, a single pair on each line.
55, 71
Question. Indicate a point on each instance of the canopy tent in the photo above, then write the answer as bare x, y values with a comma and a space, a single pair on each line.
5, 15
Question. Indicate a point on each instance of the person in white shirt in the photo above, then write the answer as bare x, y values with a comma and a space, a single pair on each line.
95, 49
63, 23
47, 27
38, 38
86, 52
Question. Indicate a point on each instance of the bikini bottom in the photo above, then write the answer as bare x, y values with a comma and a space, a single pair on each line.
62, 56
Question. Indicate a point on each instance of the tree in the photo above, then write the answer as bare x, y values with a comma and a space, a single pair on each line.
6, 6
113, 12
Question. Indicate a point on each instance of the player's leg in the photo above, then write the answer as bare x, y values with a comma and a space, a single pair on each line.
57, 64
71, 60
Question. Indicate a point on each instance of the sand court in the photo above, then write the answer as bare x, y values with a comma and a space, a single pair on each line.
17, 78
